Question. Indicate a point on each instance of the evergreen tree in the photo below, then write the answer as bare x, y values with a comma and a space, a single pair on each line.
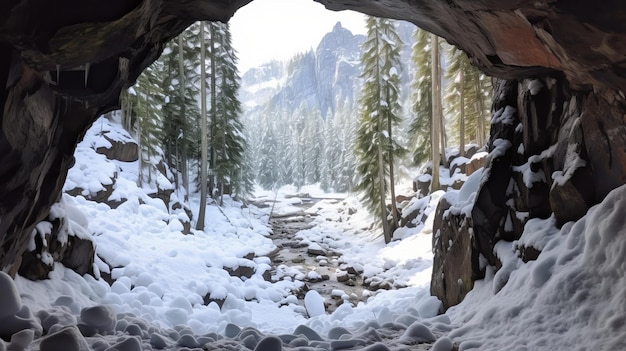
267, 165
345, 125
420, 128
180, 136
467, 94
378, 113
437, 112
147, 119
297, 147
313, 145
228, 140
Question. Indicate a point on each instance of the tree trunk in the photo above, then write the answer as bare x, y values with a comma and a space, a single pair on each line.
381, 181
139, 147
462, 110
181, 78
392, 187
436, 105
203, 130
481, 109
213, 108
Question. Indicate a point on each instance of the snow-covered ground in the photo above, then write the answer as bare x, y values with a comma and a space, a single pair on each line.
168, 287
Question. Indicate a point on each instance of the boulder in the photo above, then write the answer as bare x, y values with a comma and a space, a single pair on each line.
121, 150
476, 162
55, 241
455, 261
101, 196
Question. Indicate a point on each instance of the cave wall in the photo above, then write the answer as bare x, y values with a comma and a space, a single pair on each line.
62, 63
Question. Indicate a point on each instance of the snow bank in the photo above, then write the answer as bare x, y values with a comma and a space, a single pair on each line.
571, 297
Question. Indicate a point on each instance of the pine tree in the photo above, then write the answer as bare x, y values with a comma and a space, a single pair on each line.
181, 58
378, 114
345, 125
228, 141
437, 113
467, 92
421, 124
147, 119
456, 93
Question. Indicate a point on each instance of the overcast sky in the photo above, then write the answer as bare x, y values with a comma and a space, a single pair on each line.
277, 29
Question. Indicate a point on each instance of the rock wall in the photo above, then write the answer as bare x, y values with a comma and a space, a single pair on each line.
553, 151
63, 62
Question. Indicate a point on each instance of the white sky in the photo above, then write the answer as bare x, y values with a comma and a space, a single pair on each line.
277, 29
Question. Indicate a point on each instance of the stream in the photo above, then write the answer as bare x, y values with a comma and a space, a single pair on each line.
335, 282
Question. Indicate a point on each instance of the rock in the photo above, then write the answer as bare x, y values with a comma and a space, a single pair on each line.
246, 268
231, 330
336, 333
298, 259
21, 339
67, 339
99, 345
59, 239
316, 250
314, 304
455, 261
422, 185
102, 317
79, 255
187, 341
101, 196
528, 253
127, 344
158, 341
298, 342
376, 347
355, 269
269, 343
10, 303
178, 209
417, 333
346, 344
490, 204
309, 333
443, 344
250, 342
476, 162
342, 276
133, 330
458, 165
122, 150
207, 299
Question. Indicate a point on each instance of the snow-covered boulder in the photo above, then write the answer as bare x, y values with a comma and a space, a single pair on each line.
15, 318
63, 237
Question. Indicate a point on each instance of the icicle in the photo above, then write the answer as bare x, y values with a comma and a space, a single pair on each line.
87, 66
58, 73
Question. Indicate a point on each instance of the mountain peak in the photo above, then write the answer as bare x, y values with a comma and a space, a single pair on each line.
337, 26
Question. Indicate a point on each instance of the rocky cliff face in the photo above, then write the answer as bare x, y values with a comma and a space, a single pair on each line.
62, 63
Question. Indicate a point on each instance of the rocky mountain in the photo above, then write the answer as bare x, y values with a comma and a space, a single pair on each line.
317, 79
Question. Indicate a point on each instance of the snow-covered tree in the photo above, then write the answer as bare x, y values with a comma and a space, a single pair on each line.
420, 128
228, 141
377, 115
181, 58
468, 91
